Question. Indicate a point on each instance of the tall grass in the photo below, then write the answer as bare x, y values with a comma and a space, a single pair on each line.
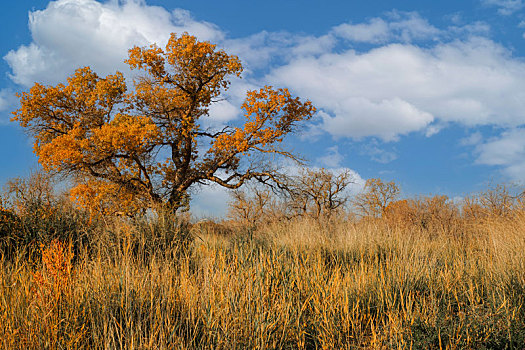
290, 285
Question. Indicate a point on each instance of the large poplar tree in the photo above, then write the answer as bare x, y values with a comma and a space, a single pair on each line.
128, 149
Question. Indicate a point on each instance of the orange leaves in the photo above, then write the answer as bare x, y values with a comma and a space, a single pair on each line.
200, 57
54, 280
270, 114
102, 198
195, 68
126, 134
151, 58
86, 102
62, 150
235, 142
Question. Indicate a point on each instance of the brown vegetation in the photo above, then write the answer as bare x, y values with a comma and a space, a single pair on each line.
427, 273
376, 197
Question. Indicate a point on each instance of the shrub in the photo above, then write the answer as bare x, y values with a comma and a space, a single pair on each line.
36, 215
10, 228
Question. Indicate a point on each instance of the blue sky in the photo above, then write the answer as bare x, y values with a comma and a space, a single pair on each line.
429, 94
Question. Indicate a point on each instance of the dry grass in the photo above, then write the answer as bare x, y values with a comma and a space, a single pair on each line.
297, 285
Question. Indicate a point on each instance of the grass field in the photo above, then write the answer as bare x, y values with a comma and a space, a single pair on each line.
297, 284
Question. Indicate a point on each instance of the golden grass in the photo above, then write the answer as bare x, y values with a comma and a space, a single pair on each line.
295, 285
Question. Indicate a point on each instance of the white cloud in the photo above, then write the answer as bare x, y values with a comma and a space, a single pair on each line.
8, 102
434, 128
223, 111
361, 117
474, 29
506, 151
265, 49
376, 30
506, 7
73, 33
472, 140
210, 201
332, 159
7, 99
400, 26
378, 154
256, 51
228, 108
396, 89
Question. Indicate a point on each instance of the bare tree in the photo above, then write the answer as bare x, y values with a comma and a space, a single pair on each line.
250, 208
497, 200
317, 192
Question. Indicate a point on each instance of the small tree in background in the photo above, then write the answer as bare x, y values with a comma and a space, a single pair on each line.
128, 150
251, 207
376, 197
317, 192
497, 200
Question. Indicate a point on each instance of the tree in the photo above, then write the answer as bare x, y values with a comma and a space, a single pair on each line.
127, 150
376, 197
497, 200
317, 192
250, 208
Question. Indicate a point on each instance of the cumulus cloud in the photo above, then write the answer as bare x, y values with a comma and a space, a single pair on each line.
506, 151
399, 26
72, 33
505, 7
378, 154
8, 102
210, 201
389, 118
332, 158
396, 89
